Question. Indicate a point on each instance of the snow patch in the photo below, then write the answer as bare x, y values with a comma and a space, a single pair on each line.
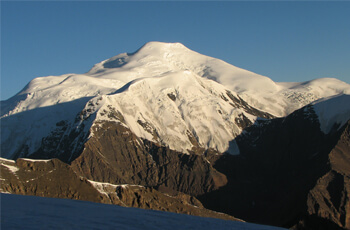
103, 187
13, 169
35, 178
96, 183
129, 185
35, 160
7, 160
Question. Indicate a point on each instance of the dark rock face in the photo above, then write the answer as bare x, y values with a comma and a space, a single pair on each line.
54, 178
64, 143
115, 155
150, 198
50, 178
284, 174
328, 203
330, 198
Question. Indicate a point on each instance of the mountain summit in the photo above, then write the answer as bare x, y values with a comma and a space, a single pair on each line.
163, 92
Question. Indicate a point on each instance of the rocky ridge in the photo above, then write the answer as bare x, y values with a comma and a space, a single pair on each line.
289, 174
54, 178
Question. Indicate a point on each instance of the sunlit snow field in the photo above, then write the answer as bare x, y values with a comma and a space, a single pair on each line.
29, 212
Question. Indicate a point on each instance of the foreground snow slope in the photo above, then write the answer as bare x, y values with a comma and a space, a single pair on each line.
164, 92
30, 212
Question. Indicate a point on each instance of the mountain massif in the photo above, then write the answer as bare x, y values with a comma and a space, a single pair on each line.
169, 129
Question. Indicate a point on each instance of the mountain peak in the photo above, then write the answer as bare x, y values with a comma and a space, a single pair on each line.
163, 45
156, 58
151, 52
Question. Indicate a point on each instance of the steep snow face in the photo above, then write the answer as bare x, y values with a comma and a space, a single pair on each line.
180, 110
333, 112
164, 92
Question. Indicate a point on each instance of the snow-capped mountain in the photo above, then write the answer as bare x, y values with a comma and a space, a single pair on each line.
171, 120
163, 92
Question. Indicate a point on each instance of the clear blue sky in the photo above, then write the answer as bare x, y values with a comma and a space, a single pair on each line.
286, 41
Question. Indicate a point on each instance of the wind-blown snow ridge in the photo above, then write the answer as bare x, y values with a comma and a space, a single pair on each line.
163, 92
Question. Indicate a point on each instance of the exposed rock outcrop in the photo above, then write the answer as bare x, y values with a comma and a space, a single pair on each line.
54, 178
115, 155
48, 178
328, 203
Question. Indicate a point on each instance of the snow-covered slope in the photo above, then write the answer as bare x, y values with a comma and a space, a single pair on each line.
332, 112
31, 212
164, 92
177, 109
156, 58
